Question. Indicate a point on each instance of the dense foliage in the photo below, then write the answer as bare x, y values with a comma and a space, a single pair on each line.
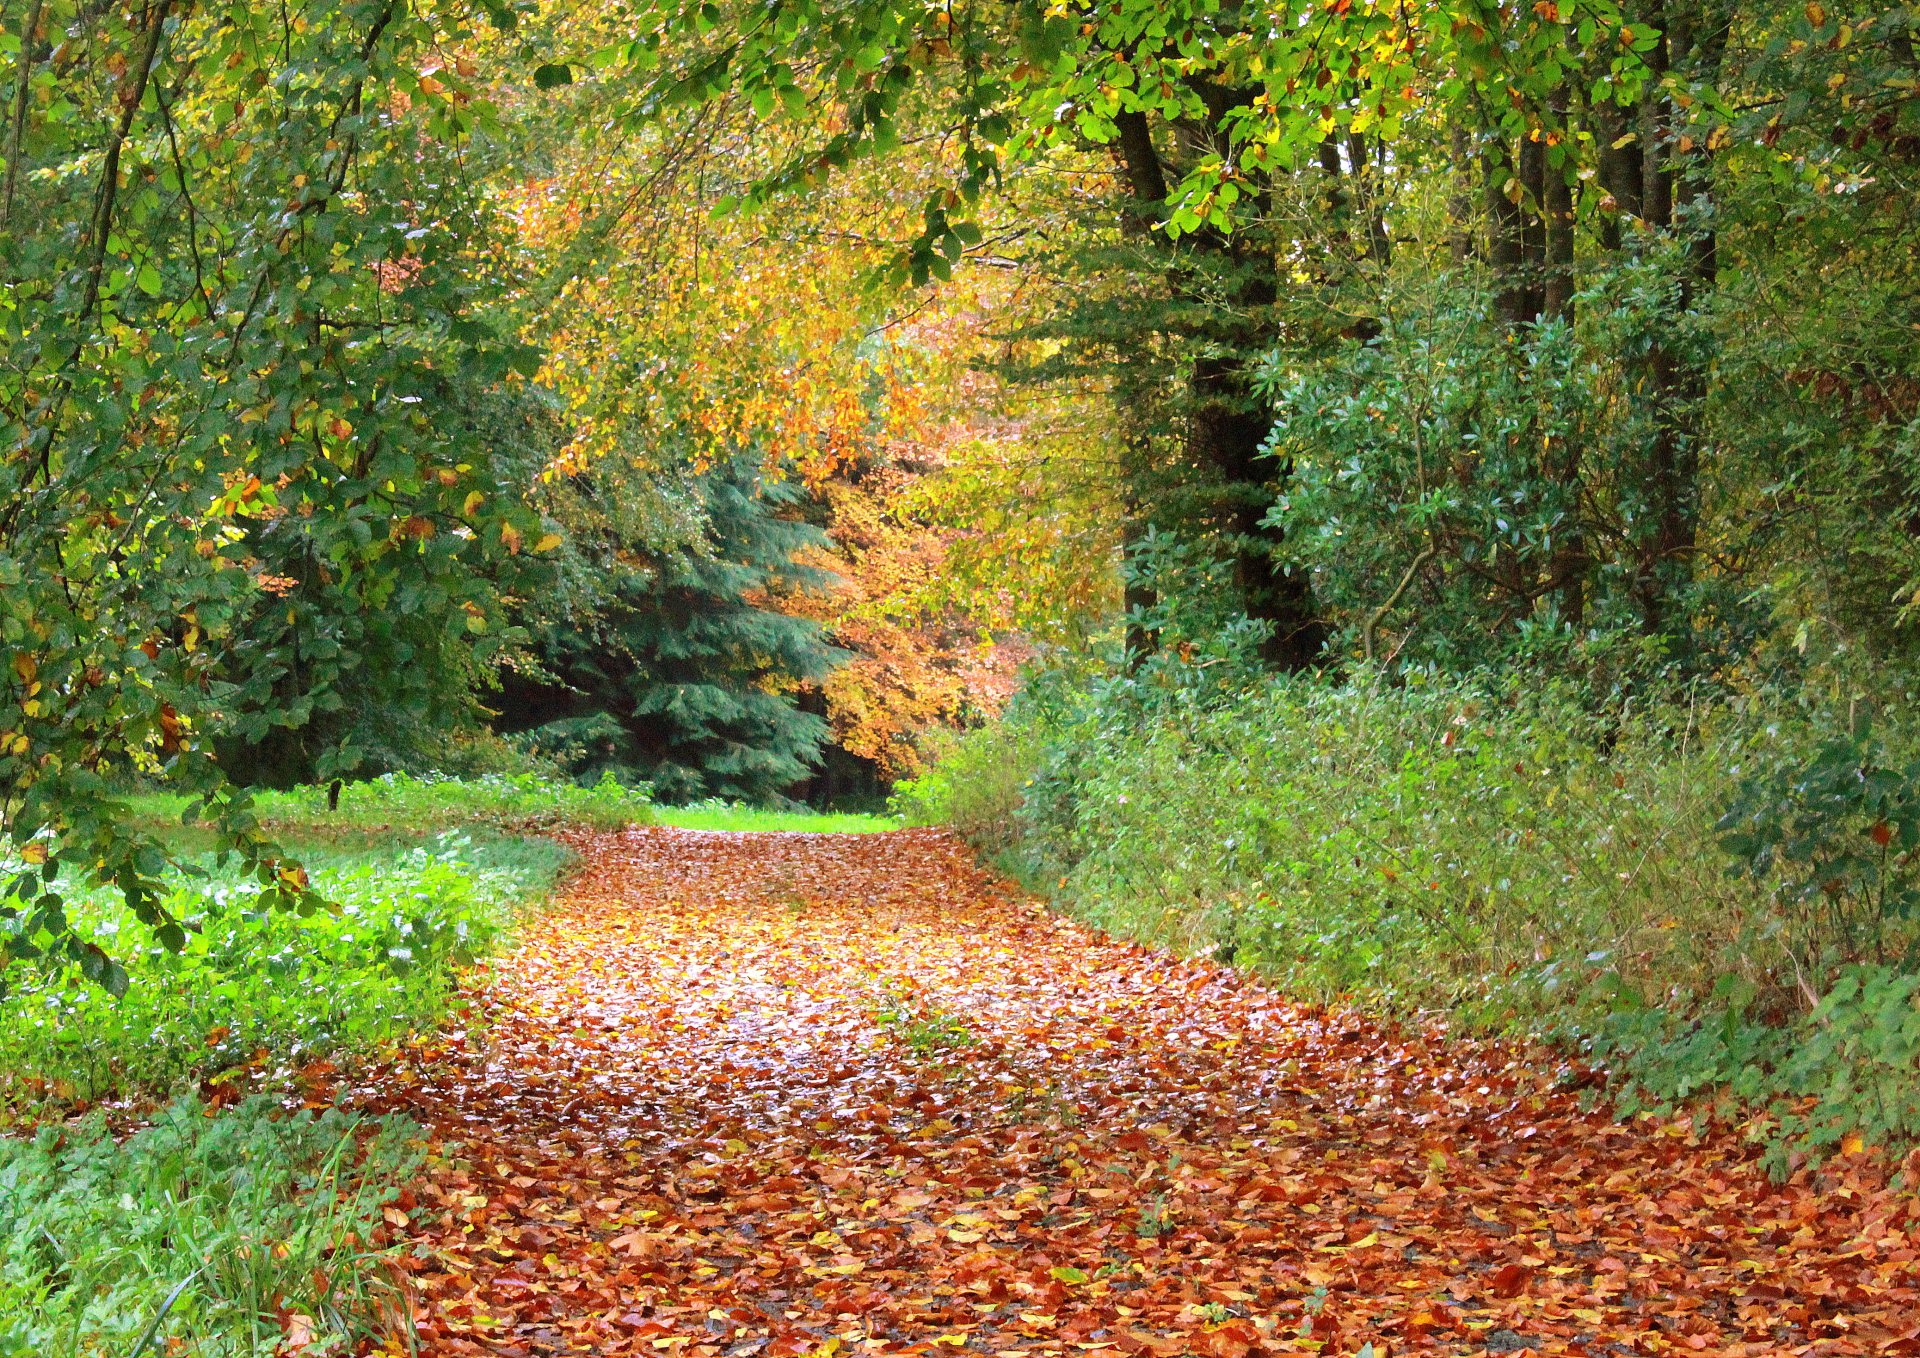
1708, 898
682, 679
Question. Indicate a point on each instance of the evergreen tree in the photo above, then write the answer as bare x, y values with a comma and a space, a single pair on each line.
685, 673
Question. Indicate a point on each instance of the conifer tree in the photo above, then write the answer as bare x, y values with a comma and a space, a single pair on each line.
686, 672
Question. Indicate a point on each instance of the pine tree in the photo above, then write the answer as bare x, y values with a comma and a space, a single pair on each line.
685, 674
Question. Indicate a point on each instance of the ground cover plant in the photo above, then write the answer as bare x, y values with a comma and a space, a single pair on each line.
256, 992
215, 1198
250, 1231
1500, 855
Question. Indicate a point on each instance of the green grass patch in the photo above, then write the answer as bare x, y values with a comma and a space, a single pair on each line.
224, 1231
208, 1235
711, 816
400, 805
255, 993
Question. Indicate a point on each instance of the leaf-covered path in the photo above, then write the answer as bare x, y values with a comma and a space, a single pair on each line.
822, 1094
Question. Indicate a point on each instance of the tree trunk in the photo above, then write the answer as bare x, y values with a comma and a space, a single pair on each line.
1506, 238
1533, 229
1228, 428
1556, 205
1674, 198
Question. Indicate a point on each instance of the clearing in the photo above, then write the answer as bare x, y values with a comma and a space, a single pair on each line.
836, 1094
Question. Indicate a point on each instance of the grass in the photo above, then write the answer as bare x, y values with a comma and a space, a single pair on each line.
712, 816
255, 995
1496, 854
401, 805
218, 1236
224, 1224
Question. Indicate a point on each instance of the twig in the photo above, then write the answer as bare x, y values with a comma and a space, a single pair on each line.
18, 126
1366, 633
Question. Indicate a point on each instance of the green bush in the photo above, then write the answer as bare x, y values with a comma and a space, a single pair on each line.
256, 992
1496, 850
205, 1233
976, 785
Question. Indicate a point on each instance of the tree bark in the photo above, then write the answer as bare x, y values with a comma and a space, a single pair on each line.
1229, 424
1506, 238
1675, 199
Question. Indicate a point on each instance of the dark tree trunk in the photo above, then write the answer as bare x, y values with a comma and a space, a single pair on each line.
1228, 429
1556, 205
1674, 198
1460, 199
1533, 230
1506, 238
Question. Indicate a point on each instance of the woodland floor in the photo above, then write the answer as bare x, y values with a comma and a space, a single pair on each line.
835, 1094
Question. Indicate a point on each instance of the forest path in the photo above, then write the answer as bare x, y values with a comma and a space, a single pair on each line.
840, 1094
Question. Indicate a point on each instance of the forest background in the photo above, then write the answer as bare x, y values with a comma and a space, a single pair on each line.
1419, 500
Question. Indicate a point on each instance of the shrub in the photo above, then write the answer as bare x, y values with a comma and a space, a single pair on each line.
975, 784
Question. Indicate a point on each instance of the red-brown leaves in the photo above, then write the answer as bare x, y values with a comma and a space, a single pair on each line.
1510, 1280
805, 1095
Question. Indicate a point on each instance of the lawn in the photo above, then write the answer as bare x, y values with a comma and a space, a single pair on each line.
713, 816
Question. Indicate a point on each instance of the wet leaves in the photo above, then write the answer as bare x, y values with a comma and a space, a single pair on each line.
698, 1122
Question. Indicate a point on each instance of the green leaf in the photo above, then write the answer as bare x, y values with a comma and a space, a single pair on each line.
1066, 1273
553, 75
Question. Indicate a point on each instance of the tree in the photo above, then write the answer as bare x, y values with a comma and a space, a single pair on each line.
239, 249
684, 676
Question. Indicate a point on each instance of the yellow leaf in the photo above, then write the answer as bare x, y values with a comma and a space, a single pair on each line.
548, 542
1854, 1144
34, 853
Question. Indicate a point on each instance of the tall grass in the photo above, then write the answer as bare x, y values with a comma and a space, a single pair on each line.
1496, 853
209, 1235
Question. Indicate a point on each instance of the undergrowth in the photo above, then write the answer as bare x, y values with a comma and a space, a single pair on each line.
210, 1235
1710, 901
254, 993
403, 804
225, 1225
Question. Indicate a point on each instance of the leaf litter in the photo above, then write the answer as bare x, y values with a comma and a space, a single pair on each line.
784, 1094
